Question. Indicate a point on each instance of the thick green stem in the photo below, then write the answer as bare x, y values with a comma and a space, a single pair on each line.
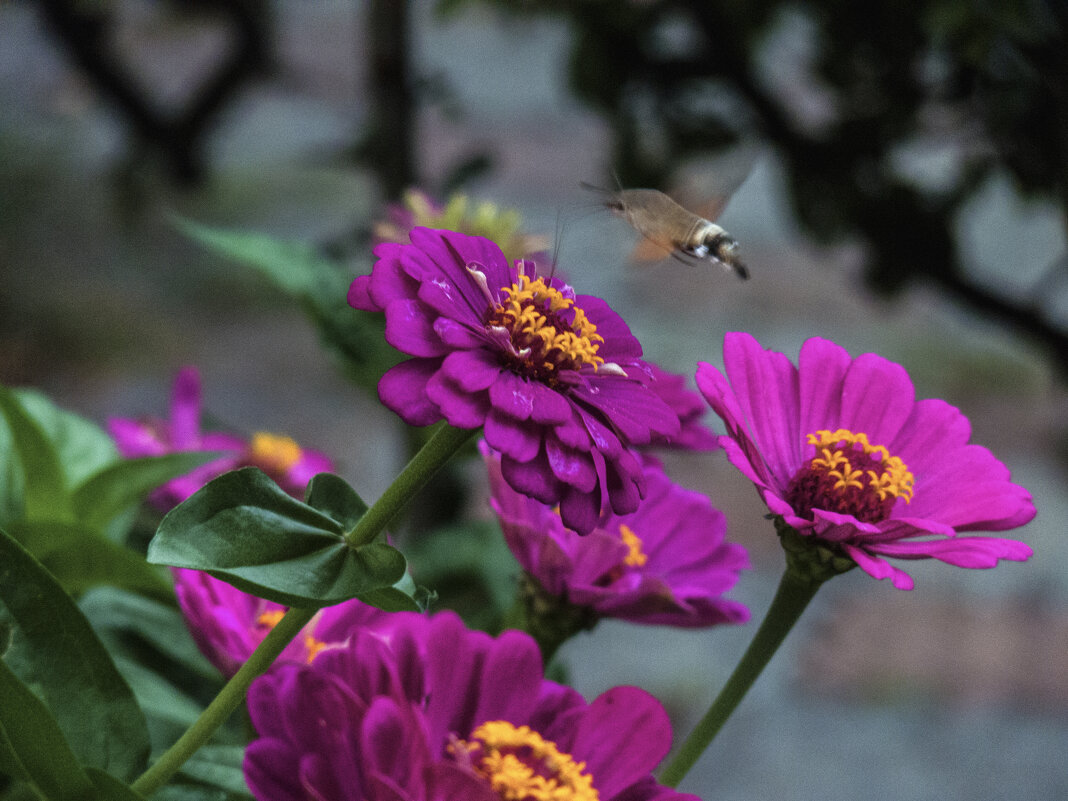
438, 450
223, 705
445, 442
790, 601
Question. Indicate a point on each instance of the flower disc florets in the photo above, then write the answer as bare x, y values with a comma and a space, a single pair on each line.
850, 476
842, 451
555, 378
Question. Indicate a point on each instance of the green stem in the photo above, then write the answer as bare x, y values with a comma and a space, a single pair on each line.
223, 705
438, 450
790, 601
442, 445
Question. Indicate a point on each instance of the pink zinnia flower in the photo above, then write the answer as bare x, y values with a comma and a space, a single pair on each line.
289, 465
555, 378
668, 564
435, 712
227, 624
843, 452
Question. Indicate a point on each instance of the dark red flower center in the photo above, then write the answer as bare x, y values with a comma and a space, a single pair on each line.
849, 476
520, 765
547, 331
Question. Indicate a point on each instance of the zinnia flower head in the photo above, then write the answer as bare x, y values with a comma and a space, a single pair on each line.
418, 210
843, 452
555, 378
436, 712
668, 564
227, 624
289, 465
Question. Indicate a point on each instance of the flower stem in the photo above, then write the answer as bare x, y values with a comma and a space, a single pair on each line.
790, 601
223, 705
438, 450
442, 445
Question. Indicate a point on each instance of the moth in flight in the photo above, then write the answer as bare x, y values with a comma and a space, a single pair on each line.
674, 230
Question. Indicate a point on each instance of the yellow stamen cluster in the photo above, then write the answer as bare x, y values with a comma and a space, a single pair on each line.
273, 453
637, 557
521, 765
532, 311
313, 647
833, 449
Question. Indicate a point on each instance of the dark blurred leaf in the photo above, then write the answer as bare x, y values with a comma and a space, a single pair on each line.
56, 651
109, 788
79, 558
219, 766
113, 489
243, 528
83, 446
45, 494
321, 285
32, 746
118, 615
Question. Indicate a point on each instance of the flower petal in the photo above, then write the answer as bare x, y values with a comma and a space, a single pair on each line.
403, 389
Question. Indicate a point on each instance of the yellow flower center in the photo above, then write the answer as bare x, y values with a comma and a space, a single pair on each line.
271, 617
312, 646
548, 332
849, 475
636, 557
520, 765
273, 453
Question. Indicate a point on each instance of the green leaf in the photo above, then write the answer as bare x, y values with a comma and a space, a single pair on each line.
80, 558
243, 528
220, 766
82, 445
109, 788
336, 499
321, 285
117, 615
45, 494
57, 652
39, 752
116, 487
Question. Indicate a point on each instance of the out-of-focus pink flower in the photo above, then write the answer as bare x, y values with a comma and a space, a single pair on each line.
436, 712
841, 449
668, 563
227, 624
280, 457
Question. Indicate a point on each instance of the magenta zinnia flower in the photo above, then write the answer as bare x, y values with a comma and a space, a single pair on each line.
289, 465
843, 452
227, 624
555, 378
669, 563
436, 712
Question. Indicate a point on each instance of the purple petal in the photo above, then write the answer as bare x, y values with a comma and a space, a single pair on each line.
471, 370
513, 395
622, 736
877, 398
822, 366
766, 386
185, 410
411, 330
520, 441
534, 478
403, 389
461, 408
573, 467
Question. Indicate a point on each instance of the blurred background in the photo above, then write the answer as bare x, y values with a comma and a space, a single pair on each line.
899, 183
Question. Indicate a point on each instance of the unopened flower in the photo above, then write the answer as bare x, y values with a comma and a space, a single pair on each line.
227, 624
555, 378
669, 563
842, 451
436, 712
419, 210
280, 457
